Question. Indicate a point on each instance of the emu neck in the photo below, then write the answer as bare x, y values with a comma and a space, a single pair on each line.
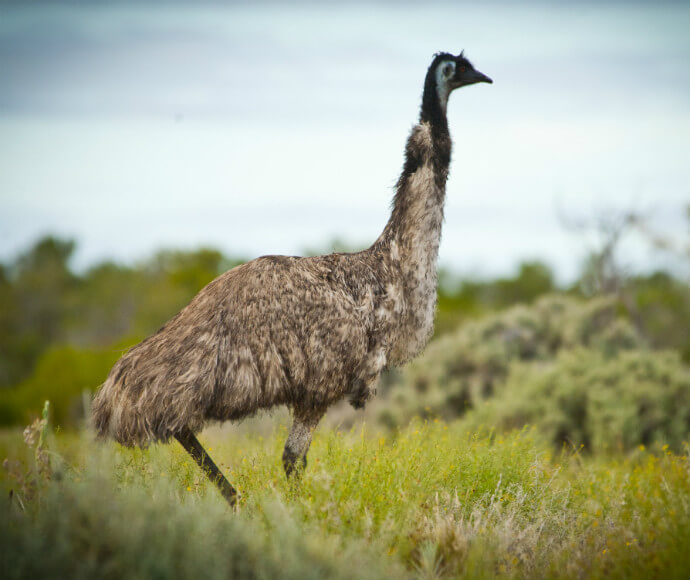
414, 228
411, 238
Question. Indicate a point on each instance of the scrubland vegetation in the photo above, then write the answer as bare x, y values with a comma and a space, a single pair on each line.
430, 501
543, 434
578, 370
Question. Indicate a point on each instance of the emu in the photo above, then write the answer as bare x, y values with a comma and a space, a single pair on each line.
301, 332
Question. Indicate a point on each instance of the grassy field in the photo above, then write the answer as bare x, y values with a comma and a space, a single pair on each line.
430, 501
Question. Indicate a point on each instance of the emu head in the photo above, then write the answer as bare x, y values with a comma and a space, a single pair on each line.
450, 72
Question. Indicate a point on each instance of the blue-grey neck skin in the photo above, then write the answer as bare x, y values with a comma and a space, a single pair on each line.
433, 111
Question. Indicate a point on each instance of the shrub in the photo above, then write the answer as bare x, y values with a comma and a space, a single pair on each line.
461, 369
586, 398
62, 375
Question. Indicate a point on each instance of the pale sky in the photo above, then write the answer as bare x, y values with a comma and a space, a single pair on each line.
258, 128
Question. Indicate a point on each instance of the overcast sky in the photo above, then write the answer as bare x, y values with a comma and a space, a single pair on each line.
262, 128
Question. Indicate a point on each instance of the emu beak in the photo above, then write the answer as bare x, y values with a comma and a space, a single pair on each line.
476, 77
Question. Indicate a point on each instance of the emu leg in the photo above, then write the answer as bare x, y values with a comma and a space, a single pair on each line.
188, 440
298, 442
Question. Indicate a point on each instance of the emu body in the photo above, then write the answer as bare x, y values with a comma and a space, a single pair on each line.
301, 332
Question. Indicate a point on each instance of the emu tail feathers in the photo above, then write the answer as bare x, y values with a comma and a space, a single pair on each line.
151, 395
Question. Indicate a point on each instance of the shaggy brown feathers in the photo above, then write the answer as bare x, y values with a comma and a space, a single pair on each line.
303, 332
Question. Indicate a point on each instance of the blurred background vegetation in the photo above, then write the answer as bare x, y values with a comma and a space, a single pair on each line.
598, 362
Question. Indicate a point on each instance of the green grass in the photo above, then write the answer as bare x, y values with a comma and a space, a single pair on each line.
432, 501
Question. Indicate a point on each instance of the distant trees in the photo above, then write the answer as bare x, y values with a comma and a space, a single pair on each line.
35, 295
658, 303
459, 299
44, 303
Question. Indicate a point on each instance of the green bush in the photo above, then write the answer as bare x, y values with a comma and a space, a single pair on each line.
461, 369
88, 531
598, 401
578, 370
62, 375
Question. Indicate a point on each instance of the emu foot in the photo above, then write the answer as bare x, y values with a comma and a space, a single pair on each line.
360, 398
293, 463
358, 402
362, 392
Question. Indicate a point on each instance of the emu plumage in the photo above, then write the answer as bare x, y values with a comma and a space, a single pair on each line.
301, 332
